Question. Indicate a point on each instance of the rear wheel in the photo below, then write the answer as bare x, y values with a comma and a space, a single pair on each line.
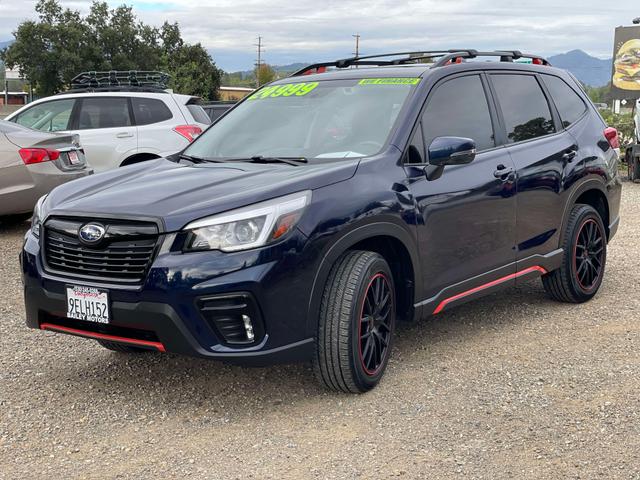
357, 320
120, 347
634, 169
585, 253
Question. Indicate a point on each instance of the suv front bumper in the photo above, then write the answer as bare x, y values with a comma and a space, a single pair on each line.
165, 312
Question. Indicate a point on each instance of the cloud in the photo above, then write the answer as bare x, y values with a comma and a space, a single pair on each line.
305, 30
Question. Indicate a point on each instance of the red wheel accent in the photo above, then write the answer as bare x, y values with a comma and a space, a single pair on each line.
588, 252
373, 344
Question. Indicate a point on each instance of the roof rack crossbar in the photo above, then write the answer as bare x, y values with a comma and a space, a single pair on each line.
505, 56
444, 58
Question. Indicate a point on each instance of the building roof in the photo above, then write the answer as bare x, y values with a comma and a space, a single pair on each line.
237, 89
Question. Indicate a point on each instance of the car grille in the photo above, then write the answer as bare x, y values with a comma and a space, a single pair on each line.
124, 255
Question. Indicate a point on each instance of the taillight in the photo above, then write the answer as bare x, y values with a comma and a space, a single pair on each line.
611, 134
38, 155
190, 132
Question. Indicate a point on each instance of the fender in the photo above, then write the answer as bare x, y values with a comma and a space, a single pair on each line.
592, 183
390, 228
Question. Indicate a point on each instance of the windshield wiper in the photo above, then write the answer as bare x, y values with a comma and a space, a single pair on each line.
288, 160
193, 159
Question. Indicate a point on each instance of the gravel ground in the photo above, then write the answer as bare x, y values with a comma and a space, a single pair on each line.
510, 386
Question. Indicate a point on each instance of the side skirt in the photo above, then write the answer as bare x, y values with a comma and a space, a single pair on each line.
490, 282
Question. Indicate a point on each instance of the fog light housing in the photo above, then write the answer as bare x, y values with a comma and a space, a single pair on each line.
234, 318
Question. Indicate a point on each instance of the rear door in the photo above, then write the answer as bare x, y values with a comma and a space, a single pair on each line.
107, 130
543, 154
467, 216
155, 122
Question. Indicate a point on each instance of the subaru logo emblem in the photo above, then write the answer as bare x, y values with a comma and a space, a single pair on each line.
91, 233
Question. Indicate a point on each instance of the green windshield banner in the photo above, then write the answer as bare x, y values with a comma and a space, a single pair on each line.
286, 90
389, 81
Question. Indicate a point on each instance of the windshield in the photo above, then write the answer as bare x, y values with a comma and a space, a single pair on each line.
326, 119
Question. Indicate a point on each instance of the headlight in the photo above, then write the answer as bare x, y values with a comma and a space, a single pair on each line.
36, 219
248, 227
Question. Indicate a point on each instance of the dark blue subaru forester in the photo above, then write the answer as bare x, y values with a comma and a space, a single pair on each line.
327, 206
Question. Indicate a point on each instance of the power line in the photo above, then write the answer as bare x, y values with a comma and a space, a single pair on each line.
357, 37
259, 61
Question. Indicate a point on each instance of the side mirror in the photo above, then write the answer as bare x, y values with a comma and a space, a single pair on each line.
451, 151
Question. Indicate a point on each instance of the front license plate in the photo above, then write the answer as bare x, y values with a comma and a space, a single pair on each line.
87, 303
73, 157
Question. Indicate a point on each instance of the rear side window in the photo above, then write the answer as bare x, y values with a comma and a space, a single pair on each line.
524, 107
459, 108
150, 110
104, 112
198, 113
568, 102
47, 116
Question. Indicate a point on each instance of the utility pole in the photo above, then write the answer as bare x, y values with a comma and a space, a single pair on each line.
357, 37
260, 47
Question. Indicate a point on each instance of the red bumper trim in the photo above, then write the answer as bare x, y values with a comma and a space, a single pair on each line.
102, 336
493, 283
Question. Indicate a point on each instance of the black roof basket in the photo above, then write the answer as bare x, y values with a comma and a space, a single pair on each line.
444, 57
119, 80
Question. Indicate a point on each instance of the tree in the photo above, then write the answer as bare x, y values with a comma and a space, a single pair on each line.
265, 74
49, 52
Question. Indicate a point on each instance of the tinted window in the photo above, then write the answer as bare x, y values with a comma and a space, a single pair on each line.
198, 113
524, 107
150, 110
568, 102
48, 116
459, 108
415, 152
104, 112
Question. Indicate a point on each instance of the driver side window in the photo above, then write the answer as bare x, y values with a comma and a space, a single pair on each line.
459, 108
51, 116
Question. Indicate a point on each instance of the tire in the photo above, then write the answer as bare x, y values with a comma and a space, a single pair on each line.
120, 347
634, 169
585, 254
348, 359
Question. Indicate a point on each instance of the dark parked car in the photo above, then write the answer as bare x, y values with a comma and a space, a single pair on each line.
216, 109
328, 206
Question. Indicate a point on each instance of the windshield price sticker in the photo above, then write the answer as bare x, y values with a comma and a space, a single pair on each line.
287, 90
389, 81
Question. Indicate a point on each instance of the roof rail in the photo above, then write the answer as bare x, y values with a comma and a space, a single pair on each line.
444, 58
120, 80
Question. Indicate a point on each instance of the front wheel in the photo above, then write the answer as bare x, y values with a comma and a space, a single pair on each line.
585, 254
356, 324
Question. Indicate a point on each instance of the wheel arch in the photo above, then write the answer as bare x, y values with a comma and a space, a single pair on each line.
392, 242
138, 157
591, 192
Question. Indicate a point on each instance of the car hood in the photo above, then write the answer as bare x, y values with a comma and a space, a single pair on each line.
178, 193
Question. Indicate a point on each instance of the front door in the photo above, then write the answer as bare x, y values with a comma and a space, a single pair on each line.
467, 216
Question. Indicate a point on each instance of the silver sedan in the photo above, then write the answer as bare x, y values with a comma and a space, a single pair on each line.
32, 163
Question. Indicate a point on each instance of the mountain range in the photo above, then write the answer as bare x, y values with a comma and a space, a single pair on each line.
592, 71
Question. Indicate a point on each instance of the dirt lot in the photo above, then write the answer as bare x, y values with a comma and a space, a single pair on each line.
511, 386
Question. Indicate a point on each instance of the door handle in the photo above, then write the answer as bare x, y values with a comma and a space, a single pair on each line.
569, 155
124, 135
503, 172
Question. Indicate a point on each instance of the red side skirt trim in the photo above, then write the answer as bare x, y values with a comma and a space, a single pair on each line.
102, 336
493, 283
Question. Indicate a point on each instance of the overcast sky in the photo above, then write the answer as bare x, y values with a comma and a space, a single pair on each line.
304, 30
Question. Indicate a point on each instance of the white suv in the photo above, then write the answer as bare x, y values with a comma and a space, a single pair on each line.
119, 128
